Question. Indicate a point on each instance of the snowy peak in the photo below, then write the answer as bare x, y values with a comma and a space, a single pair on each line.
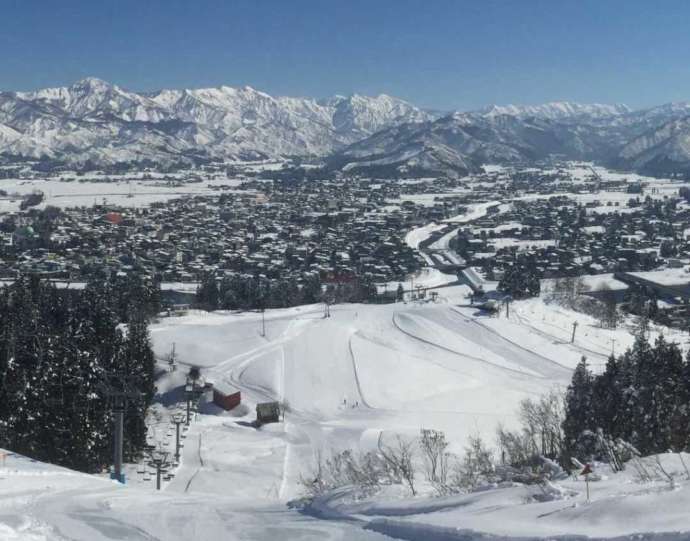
366, 115
98, 121
559, 110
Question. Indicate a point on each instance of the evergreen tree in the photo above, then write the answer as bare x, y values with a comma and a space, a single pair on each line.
208, 295
56, 349
607, 398
578, 408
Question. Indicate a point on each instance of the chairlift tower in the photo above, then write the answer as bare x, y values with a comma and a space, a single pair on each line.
192, 392
177, 419
120, 391
159, 460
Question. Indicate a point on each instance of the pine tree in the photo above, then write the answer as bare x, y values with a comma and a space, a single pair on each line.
607, 398
55, 355
578, 408
208, 295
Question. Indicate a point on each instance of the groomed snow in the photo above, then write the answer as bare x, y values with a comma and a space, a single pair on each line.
366, 373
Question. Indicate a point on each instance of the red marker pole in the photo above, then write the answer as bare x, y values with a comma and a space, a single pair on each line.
586, 471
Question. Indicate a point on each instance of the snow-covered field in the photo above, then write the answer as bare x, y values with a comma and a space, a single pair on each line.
134, 193
474, 212
365, 374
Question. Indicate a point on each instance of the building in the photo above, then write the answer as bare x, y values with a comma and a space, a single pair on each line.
226, 396
267, 412
670, 283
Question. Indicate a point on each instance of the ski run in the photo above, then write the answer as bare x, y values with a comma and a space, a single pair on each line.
354, 380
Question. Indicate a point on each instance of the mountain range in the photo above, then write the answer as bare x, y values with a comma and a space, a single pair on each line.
95, 122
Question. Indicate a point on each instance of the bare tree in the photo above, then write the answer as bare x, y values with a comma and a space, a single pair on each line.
477, 465
515, 448
365, 472
566, 290
541, 420
315, 483
609, 311
433, 445
399, 460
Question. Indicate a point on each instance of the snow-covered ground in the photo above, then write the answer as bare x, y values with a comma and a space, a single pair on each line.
474, 212
41, 502
134, 193
367, 372
620, 507
425, 278
419, 234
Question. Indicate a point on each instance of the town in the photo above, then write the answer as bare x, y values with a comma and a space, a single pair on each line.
565, 220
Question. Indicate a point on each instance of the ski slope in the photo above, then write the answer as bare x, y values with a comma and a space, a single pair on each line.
41, 502
369, 371
363, 375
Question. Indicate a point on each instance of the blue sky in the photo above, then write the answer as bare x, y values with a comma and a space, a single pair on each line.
446, 54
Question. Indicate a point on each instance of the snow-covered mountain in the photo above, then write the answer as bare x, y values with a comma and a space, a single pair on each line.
98, 121
460, 143
661, 150
560, 110
655, 140
95, 121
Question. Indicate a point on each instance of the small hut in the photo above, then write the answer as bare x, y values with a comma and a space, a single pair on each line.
226, 396
267, 412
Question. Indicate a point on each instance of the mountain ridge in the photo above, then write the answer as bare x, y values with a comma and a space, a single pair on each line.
105, 122
94, 121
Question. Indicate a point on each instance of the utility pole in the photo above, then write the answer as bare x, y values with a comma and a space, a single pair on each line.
263, 321
178, 419
507, 302
572, 338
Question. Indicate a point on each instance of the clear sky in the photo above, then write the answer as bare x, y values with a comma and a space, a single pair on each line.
445, 54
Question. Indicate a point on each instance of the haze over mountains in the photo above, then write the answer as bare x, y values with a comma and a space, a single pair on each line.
95, 122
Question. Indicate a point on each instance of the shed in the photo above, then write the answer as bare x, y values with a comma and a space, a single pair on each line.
267, 412
226, 396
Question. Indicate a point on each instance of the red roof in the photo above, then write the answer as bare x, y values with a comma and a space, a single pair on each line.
114, 218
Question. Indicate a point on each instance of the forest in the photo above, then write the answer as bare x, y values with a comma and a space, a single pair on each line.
63, 353
639, 401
